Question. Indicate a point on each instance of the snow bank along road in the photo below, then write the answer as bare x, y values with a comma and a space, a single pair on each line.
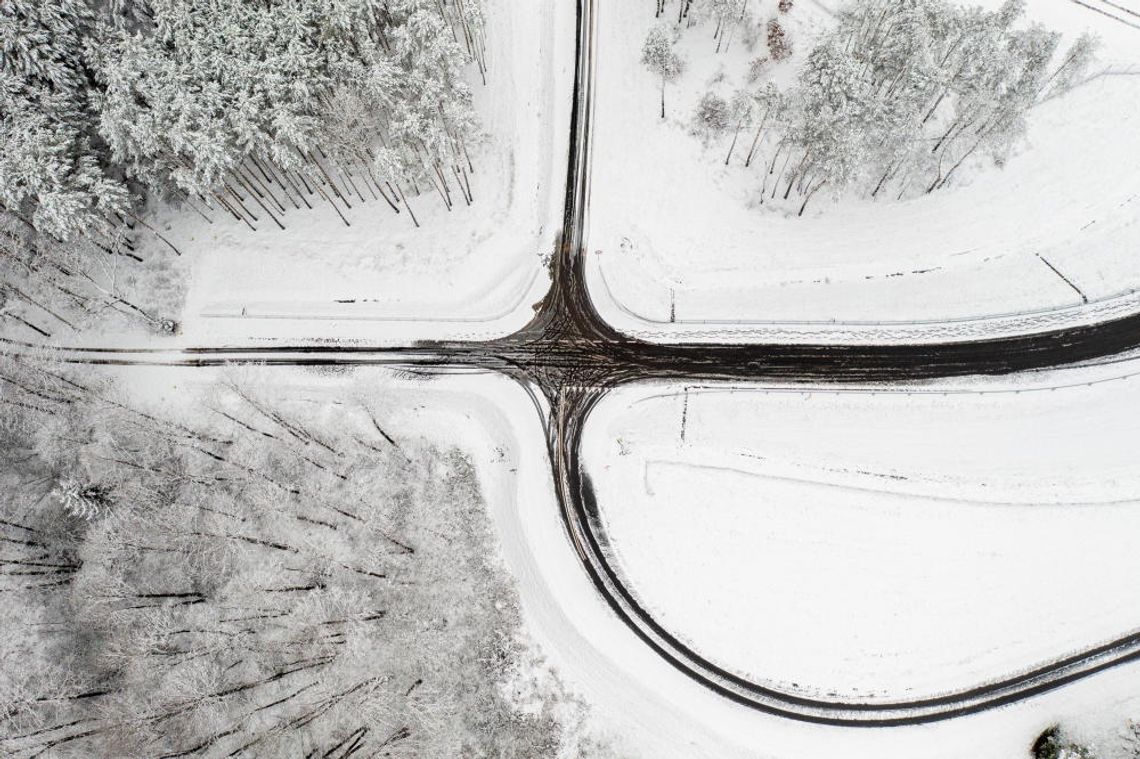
568, 358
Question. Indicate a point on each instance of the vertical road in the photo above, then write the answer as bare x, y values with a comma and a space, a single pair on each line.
568, 357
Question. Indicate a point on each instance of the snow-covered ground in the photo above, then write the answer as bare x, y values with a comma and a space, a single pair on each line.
473, 271
654, 711
878, 544
888, 544
677, 237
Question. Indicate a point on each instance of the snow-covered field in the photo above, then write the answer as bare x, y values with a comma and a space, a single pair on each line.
470, 272
677, 238
879, 544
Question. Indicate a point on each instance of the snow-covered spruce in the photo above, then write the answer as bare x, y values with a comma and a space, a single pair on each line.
54, 167
83, 500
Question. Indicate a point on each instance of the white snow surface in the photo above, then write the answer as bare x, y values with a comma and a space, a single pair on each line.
654, 711
683, 252
871, 544
471, 272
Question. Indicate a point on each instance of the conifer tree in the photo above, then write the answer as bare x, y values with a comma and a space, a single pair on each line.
659, 55
54, 169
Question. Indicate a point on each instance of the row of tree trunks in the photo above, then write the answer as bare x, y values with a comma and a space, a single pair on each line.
258, 190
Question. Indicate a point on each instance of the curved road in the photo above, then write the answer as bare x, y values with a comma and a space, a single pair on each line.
567, 358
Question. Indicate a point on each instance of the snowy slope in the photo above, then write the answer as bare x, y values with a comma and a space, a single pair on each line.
679, 235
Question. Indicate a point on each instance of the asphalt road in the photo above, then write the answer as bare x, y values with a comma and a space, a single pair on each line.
571, 357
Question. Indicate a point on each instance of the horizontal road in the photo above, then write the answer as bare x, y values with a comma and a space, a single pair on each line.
567, 358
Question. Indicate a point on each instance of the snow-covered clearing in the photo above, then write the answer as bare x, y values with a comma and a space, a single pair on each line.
685, 254
470, 272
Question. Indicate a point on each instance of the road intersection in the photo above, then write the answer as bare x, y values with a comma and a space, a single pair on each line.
567, 358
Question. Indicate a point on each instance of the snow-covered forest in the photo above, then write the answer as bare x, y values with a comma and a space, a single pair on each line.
232, 110
276, 578
560, 379
892, 101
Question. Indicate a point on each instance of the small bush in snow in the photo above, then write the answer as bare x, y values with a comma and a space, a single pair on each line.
756, 68
84, 500
712, 115
1054, 744
779, 46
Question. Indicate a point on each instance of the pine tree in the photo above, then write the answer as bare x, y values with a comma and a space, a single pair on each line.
1073, 66
727, 14
53, 169
86, 501
742, 109
206, 88
770, 102
901, 96
659, 55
